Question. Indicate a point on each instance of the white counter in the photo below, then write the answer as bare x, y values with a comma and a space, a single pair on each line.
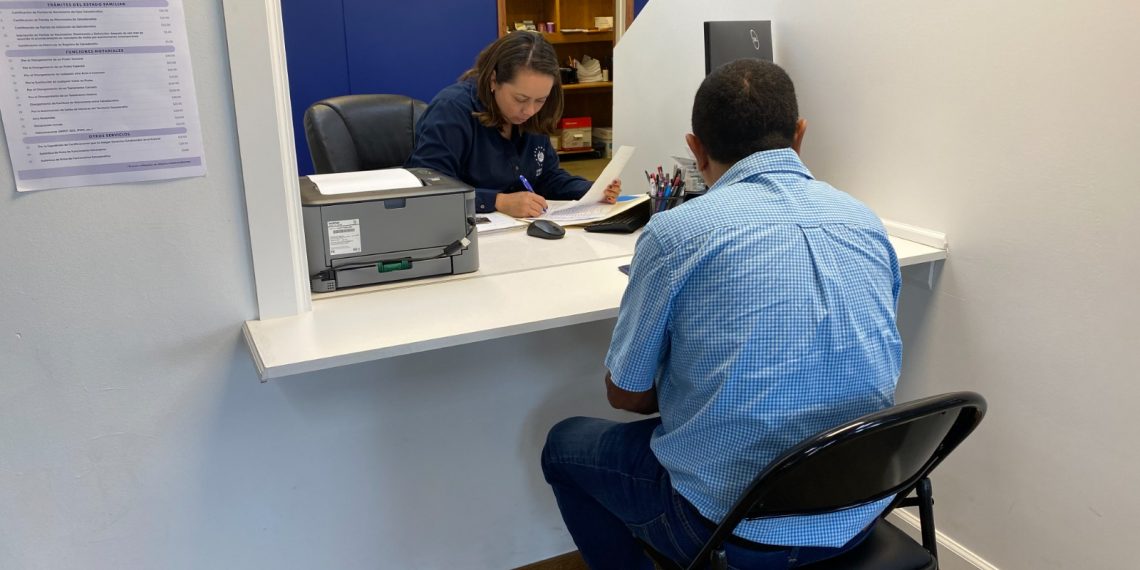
523, 285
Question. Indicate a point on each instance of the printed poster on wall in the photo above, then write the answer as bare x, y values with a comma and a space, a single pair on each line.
97, 92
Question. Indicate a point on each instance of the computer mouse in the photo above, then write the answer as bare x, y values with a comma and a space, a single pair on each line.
545, 229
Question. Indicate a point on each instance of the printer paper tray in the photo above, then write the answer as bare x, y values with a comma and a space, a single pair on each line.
370, 276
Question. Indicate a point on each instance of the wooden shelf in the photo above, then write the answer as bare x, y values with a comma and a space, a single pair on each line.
591, 86
580, 37
594, 99
577, 151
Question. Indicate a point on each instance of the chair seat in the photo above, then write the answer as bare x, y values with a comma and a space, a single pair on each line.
887, 548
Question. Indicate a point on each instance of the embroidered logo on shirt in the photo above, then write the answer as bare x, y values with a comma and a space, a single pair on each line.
539, 157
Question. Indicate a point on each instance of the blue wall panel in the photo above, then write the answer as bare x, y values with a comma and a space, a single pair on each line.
637, 6
414, 48
317, 61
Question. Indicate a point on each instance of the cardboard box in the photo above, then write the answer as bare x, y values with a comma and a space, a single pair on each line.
576, 133
604, 141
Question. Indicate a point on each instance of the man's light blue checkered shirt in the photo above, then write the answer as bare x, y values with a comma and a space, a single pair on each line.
764, 312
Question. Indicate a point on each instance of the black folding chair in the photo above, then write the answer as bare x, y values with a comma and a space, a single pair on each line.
887, 453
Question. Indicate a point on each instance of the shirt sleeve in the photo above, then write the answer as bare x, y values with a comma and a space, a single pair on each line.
641, 337
557, 184
443, 141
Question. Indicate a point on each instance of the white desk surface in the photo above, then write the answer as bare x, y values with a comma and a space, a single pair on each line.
523, 285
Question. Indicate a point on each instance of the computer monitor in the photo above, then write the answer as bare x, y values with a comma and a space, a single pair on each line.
730, 41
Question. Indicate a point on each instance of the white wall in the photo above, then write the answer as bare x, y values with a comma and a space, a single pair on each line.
1013, 126
134, 433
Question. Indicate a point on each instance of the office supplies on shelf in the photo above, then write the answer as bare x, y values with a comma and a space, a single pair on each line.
379, 234
589, 70
576, 133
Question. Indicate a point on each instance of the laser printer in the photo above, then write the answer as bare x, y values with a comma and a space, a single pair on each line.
364, 228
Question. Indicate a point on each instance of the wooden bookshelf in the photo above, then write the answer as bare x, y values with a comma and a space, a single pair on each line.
594, 100
593, 86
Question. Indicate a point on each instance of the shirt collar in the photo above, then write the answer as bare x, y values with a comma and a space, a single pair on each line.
764, 162
473, 91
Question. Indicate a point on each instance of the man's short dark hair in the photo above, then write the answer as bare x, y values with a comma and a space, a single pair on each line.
744, 107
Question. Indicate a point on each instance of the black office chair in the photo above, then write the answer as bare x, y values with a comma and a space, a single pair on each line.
887, 453
361, 132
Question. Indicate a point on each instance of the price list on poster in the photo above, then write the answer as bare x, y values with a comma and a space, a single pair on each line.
97, 92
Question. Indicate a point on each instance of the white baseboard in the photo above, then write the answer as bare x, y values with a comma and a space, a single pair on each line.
951, 554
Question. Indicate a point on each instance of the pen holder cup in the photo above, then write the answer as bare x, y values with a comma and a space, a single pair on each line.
659, 204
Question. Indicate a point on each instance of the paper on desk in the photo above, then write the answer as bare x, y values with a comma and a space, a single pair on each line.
574, 212
495, 221
364, 181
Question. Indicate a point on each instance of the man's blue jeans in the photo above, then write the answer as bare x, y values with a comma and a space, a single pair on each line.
612, 490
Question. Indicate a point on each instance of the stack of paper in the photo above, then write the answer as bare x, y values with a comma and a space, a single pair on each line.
495, 221
590, 208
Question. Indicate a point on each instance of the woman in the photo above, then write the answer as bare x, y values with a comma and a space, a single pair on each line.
491, 130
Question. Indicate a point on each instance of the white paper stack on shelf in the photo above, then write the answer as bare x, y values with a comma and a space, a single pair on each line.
589, 70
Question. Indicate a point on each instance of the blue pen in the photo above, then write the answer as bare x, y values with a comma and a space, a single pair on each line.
526, 184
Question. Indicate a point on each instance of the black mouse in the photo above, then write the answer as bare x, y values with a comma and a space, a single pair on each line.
545, 229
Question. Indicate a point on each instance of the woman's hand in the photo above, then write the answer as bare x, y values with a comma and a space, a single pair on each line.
612, 191
520, 204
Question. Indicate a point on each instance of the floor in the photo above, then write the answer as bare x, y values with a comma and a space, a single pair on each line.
568, 561
588, 168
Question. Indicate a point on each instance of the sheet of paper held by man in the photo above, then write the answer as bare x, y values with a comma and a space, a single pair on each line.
590, 206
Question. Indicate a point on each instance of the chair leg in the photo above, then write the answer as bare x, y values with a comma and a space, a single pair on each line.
719, 560
926, 516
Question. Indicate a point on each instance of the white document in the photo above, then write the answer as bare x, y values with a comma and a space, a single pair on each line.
575, 213
495, 221
611, 172
98, 92
364, 181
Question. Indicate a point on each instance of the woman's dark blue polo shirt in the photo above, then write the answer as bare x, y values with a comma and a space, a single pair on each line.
451, 141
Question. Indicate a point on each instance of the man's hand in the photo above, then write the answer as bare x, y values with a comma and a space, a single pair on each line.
612, 191
636, 402
520, 204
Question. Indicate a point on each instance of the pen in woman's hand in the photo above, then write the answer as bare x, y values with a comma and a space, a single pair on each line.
526, 184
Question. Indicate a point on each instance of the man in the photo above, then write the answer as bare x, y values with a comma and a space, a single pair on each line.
756, 316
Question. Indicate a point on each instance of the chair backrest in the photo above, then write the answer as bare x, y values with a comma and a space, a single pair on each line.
876, 456
361, 132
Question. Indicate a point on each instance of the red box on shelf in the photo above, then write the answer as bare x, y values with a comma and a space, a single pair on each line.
576, 133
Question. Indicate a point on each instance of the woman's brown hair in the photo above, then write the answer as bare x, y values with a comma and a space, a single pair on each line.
502, 60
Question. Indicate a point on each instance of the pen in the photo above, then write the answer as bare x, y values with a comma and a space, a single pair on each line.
526, 184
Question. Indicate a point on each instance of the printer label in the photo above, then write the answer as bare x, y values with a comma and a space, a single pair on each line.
344, 237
